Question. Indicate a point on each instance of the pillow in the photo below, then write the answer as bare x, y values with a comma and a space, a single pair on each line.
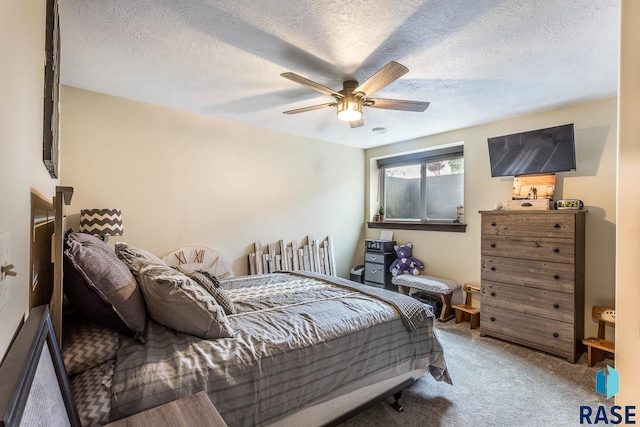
133, 256
101, 286
210, 284
178, 302
87, 345
92, 394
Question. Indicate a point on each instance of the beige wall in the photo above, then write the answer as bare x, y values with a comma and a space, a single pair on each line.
22, 25
184, 179
457, 255
628, 265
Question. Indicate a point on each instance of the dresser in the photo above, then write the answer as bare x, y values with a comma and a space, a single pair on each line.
533, 279
378, 257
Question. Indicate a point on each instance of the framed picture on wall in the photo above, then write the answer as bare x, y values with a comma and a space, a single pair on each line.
35, 389
50, 152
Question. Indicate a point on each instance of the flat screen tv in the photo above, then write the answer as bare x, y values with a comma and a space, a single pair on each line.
539, 151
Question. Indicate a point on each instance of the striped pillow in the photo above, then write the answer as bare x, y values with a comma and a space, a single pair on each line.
210, 284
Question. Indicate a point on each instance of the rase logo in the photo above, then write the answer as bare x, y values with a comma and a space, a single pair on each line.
608, 384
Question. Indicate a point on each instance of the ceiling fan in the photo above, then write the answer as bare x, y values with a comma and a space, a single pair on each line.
350, 101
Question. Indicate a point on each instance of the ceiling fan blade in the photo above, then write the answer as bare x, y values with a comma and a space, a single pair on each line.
310, 84
311, 108
398, 104
357, 123
384, 76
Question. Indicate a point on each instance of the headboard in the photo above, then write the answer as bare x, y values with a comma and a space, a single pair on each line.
48, 221
41, 272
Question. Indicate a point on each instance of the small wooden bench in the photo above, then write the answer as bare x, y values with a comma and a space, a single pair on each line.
435, 285
467, 312
597, 346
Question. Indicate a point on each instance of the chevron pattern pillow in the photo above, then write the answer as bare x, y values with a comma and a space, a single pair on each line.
210, 284
92, 394
87, 346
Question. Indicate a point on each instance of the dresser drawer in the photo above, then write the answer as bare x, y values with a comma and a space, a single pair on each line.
552, 276
374, 272
374, 257
543, 332
537, 302
525, 247
543, 225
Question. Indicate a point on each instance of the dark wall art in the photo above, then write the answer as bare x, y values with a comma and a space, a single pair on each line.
51, 89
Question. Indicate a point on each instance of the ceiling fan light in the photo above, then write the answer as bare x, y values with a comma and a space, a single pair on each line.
349, 111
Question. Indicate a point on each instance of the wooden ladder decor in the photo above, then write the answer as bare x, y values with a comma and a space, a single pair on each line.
596, 346
313, 256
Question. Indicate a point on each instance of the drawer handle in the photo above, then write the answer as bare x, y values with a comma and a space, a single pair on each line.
493, 269
556, 250
493, 224
493, 245
556, 306
373, 258
374, 271
556, 225
555, 276
493, 319
493, 294
555, 335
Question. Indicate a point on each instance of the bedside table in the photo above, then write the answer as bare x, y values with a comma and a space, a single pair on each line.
191, 411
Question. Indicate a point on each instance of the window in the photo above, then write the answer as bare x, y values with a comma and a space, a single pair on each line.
426, 186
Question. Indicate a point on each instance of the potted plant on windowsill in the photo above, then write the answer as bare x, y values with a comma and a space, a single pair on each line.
381, 213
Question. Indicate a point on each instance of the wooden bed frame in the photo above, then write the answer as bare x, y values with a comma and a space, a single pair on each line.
43, 276
48, 224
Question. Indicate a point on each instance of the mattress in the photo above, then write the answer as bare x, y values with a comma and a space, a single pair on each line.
300, 341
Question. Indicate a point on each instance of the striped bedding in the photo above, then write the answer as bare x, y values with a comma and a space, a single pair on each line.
298, 339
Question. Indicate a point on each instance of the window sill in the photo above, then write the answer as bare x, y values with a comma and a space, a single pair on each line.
425, 226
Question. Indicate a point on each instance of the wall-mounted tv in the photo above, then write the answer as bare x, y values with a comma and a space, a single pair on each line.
539, 151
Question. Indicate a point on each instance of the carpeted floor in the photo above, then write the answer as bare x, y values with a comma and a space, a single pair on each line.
495, 383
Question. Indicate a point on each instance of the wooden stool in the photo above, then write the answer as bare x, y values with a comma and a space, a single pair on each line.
596, 346
466, 312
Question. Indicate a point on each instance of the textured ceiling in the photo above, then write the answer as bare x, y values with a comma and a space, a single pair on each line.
476, 61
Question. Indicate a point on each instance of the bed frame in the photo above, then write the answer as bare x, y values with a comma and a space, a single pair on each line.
48, 225
47, 229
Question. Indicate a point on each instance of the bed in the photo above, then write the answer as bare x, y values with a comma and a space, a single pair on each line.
295, 347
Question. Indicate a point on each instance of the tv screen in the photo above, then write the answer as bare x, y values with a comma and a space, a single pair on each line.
547, 150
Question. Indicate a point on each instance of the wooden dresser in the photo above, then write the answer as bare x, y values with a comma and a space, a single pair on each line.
533, 279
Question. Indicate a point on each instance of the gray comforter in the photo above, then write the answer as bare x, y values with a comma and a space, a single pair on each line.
297, 340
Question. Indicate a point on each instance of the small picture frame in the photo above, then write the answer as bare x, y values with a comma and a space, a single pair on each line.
533, 187
35, 388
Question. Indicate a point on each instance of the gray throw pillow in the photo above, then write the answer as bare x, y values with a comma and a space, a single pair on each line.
101, 286
178, 302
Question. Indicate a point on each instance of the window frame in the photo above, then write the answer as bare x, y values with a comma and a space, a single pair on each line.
422, 158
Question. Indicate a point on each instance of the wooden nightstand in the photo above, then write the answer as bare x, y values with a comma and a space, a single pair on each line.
191, 411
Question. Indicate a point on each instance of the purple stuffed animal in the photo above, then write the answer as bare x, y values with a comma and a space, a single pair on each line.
405, 264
